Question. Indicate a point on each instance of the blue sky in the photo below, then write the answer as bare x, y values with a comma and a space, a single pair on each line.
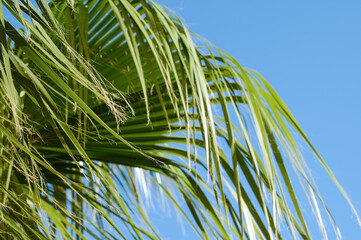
311, 54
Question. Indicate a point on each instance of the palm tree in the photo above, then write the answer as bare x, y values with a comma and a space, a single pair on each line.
108, 104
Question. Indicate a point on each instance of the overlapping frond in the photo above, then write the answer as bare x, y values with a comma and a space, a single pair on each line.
106, 102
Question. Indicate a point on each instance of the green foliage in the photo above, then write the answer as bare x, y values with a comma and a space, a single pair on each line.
108, 103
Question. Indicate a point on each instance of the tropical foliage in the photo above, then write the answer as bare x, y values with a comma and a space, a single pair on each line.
108, 104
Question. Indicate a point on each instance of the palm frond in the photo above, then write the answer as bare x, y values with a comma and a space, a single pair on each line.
106, 103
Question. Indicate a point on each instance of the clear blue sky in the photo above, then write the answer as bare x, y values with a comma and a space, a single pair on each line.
310, 52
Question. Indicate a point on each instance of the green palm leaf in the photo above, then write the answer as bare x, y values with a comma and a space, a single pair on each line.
106, 103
